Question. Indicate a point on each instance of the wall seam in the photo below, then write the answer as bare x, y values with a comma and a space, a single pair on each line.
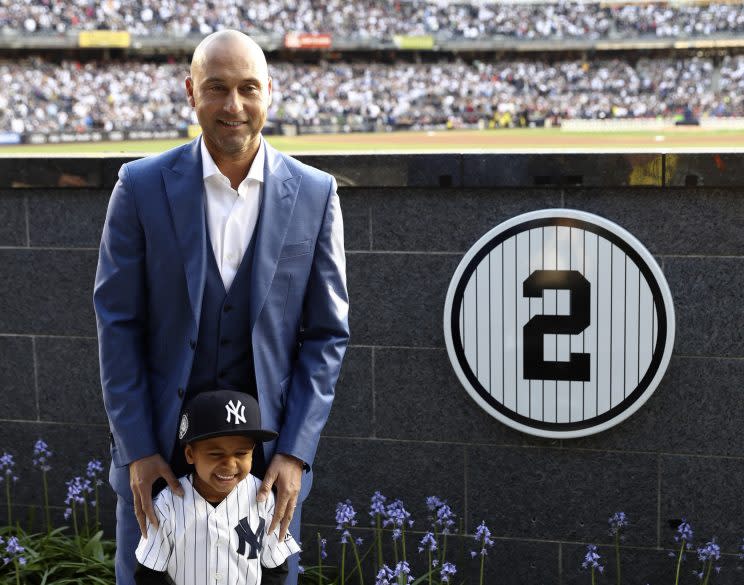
27, 219
36, 377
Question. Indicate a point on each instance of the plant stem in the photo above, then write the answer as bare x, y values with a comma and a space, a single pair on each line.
679, 562
617, 554
403, 540
707, 572
320, 561
17, 572
378, 537
98, 518
74, 522
342, 580
483, 562
7, 497
358, 561
85, 517
47, 514
594, 579
430, 567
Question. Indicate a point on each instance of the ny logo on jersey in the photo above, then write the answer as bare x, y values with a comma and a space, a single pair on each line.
236, 411
246, 535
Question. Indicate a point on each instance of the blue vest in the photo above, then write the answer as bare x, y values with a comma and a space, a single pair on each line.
224, 352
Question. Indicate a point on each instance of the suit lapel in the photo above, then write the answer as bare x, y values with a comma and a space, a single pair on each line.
184, 186
279, 197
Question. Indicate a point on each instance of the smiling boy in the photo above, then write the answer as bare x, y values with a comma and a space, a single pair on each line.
216, 533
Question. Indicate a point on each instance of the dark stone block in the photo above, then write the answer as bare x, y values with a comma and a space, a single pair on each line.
69, 381
704, 170
419, 170
72, 447
512, 562
18, 395
352, 406
708, 298
67, 219
418, 396
443, 221
636, 565
47, 292
66, 173
562, 170
672, 221
13, 226
707, 492
398, 299
355, 207
685, 399
561, 494
355, 468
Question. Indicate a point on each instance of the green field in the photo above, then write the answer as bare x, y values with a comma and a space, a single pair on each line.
505, 140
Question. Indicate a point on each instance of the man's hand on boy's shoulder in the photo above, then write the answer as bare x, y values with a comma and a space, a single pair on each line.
142, 474
286, 472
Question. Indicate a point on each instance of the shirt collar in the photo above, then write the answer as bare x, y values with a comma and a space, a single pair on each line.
256, 172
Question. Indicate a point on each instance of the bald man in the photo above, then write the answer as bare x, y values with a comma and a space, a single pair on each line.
221, 266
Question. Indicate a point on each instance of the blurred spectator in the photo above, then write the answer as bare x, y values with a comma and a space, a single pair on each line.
38, 96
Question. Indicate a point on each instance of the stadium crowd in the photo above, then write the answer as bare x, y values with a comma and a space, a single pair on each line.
75, 97
372, 19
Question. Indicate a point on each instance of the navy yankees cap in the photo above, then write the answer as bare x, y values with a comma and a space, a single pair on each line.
219, 413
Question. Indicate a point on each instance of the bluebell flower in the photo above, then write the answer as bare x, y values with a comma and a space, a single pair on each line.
396, 534
445, 518
377, 505
432, 503
358, 541
684, 534
345, 535
94, 471
741, 550
396, 515
385, 576
592, 558
323, 553
448, 571
41, 456
483, 538
402, 568
345, 515
711, 552
77, 491
428, 542
435, 563
617, 522
13, 552
300, 569
6, 468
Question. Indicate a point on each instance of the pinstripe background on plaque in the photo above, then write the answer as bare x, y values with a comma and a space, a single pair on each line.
620, 338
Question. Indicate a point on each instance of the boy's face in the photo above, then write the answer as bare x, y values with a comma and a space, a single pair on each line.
220, 462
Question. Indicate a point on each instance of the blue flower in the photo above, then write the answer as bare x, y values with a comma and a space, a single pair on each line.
323, 553
397, 534
711, 551
13, 552
402, 568
396, 515
432, 503
41, 457
94, 471
345, 515
77, 490
6, 467
483, 537
377, 505
345, 535
448, 570
741, 550
385, 576
428, 542
358, 541
684, 534
592, 558
300, 569
617, 522
445, 518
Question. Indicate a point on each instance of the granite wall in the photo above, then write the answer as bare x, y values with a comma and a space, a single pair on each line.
402, 424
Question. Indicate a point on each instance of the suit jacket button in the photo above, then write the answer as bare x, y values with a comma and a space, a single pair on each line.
180, 392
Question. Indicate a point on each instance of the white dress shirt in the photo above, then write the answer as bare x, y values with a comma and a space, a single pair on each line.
231, 214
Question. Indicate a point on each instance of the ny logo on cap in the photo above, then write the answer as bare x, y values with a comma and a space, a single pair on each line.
236, 411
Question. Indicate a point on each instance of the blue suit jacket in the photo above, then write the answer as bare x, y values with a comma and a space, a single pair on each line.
148, 294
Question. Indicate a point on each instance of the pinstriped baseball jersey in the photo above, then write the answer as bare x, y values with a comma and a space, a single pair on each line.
200, 544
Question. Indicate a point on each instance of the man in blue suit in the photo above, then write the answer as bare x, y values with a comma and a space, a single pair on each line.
221, 266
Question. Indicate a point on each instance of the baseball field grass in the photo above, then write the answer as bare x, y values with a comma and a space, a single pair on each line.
672, 139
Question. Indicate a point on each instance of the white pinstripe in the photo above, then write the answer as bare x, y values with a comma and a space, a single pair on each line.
196, 543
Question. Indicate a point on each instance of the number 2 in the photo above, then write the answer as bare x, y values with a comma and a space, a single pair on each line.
577, 368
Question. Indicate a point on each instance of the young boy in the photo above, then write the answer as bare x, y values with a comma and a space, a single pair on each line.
216, 533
